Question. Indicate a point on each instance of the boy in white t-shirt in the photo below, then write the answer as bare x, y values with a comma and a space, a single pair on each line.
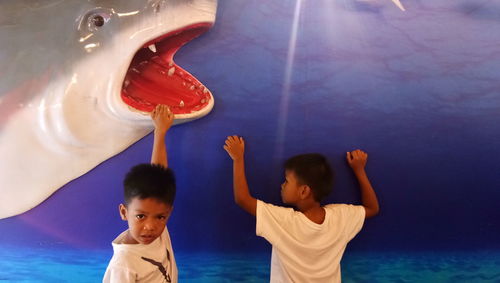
308, 242
143, 253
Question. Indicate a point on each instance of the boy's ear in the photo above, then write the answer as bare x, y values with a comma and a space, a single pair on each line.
305, 191
123, 211
170, 212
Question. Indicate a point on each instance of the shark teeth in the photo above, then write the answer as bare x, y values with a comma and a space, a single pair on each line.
171, 71
152, 47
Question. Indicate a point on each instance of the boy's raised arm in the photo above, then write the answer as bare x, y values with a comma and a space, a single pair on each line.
162, 119
235, 147
357, 160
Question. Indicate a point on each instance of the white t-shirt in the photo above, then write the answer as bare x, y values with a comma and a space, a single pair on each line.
304, 251
154, 262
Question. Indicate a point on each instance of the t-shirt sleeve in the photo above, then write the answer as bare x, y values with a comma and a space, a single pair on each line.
354, 217
271, 221
118, 275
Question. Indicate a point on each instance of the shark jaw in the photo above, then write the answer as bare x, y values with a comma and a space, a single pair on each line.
154, 78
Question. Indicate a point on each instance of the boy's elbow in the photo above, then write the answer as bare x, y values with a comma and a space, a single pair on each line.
241, 200
238, 200
248, 204
371, 212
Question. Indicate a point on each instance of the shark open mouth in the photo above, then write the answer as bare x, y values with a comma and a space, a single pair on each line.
154, 78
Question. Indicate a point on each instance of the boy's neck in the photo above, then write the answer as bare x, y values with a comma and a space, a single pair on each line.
312, 210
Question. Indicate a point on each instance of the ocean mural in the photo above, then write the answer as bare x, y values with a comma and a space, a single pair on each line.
419, 90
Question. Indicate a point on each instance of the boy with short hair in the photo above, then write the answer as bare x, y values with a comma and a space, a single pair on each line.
143, 253
307, 244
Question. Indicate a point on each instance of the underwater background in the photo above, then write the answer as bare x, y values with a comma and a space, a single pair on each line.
418, 90
53, 265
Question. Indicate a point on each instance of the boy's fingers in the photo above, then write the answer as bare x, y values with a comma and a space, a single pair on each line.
235, 139
360, 153
157, 111
355, 154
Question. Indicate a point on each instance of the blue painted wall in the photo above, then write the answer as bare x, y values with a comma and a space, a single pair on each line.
418, 90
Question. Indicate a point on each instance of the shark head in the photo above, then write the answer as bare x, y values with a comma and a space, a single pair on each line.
77, 80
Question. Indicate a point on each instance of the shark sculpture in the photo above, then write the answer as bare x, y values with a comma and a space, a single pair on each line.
76, 80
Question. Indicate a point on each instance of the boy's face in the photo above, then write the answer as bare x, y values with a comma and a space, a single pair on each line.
291, 189
146, 219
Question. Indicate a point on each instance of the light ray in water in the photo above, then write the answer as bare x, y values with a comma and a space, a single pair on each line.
285, 93
398, 3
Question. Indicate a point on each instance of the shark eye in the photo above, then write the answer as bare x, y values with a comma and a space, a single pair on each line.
97, 18
98, 21
91, 21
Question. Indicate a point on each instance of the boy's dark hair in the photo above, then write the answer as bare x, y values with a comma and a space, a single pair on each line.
312, 169
149, 181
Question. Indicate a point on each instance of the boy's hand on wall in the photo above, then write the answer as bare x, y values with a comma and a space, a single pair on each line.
357, 160
162, 118
235, 147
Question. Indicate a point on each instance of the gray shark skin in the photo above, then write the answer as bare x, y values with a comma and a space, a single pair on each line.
62, 68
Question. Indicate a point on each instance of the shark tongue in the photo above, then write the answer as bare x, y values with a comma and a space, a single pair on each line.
154, 78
